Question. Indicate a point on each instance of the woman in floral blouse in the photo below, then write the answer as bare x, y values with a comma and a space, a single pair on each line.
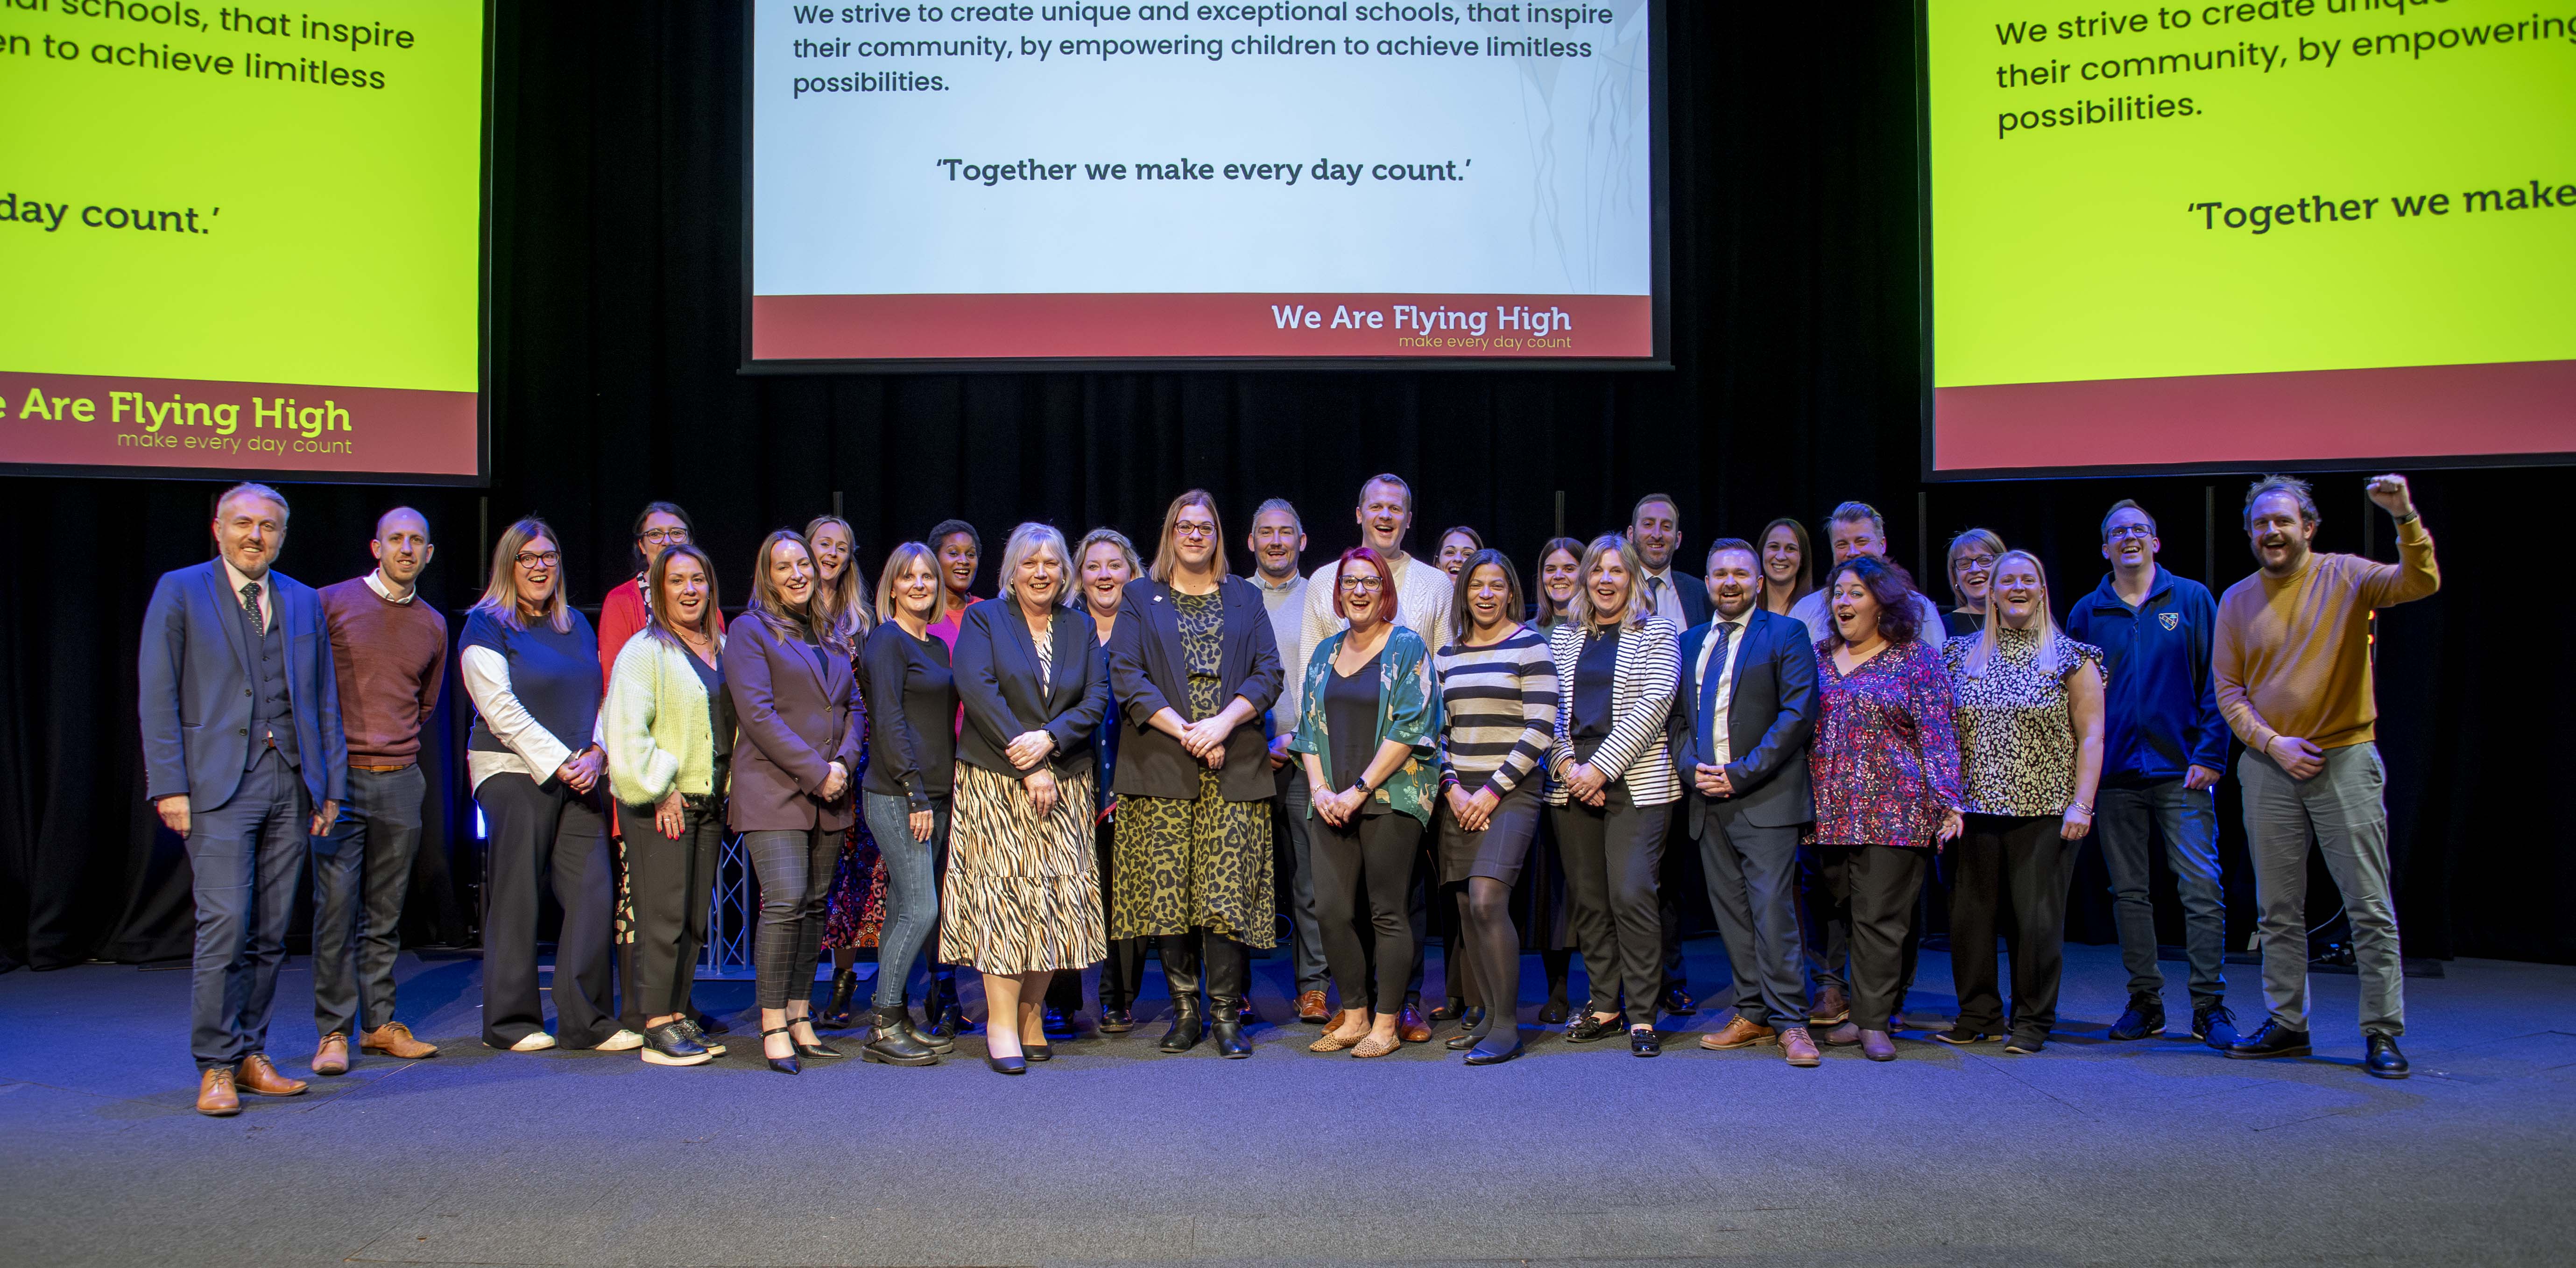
1366, 726
2029, 710
1886, 771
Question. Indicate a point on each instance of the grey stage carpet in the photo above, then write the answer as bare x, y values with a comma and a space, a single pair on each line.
2092, 1152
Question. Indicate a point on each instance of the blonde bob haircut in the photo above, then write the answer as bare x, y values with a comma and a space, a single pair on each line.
897, 564
1167, 560
1026, 540
1608, 544
501, 592
2055, 656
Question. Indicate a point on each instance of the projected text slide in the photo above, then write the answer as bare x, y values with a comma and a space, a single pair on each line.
2250, 232
1249, 180
242, 241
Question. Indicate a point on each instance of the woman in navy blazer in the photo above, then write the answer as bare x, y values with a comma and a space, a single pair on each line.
1195, 666
797, 704
1023, 894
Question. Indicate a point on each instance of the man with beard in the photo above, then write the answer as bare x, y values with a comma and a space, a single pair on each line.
2292, 661
1739, 732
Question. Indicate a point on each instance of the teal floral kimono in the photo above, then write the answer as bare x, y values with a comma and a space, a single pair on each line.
1408, 712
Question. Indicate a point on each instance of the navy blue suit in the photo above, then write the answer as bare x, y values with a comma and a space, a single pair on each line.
203, 672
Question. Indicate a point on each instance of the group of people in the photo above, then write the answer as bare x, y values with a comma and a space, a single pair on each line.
1103, 759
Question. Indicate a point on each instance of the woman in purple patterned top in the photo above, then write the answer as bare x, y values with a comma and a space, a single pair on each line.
1886, 770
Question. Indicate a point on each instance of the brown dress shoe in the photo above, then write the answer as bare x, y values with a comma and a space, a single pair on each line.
333, 1056
1877, 1045
1842, 1036
394, 1040
258, 1076
1312, 1010
1831, 1006
1738, 1033
1798, 1047
215, 1097
1410, 1027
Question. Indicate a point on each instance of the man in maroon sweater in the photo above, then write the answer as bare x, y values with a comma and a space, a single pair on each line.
390, 652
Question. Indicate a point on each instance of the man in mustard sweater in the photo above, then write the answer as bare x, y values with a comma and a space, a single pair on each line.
2292, 665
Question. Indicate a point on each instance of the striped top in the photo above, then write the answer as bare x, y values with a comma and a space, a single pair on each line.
1641, 698
1501, 704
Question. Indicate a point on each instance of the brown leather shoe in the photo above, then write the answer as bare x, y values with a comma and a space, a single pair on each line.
1877, 1045
394, 1040
1410, 1027
1312, 1010
215, 1097
258, 1076
333, 1056
1738, 1033
1842, 1036
1798, 1047
1831, 1006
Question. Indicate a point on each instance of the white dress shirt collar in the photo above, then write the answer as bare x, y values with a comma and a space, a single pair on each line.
384, 589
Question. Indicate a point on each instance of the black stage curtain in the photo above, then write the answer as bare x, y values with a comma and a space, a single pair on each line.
617, 206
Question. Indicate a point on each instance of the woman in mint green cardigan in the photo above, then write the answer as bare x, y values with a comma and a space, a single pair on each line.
1367, 726
668, 726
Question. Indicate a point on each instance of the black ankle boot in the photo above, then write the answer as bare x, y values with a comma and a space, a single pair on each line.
924, 1035
844, 984
947, 1018
1186, 1027
1226, 1023
893, 1042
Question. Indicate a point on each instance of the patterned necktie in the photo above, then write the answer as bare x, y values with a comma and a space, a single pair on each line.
250, 607
1708, 691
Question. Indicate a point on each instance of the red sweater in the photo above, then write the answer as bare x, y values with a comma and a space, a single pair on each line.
390, 658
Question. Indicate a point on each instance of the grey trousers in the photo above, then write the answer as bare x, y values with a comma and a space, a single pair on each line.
2190, 823
1307, 942
794, 867
2342, 807
361, 872
1752, 877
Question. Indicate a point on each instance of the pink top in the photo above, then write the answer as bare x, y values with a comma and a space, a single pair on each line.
1886, 761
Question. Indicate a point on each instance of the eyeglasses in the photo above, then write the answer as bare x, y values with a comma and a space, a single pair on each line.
531, 559
1365, 584
1976, 561
664, 536
1189, 528
2129, 530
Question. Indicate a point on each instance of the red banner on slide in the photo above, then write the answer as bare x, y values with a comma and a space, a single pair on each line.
2508, 409
987, 327
281, 429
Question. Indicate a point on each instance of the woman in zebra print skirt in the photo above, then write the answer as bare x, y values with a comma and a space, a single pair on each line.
1023, 892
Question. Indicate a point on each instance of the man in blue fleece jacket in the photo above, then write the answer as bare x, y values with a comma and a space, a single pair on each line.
2165, 746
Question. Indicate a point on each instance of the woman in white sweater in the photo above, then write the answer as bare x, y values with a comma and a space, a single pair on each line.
668, 725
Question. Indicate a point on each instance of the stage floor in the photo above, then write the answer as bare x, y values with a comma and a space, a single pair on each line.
2091, 1152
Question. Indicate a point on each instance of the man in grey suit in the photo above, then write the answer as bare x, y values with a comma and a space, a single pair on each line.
244, 757
1739, 734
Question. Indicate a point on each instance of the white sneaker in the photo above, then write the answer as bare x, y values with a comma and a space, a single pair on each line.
622, 1041
537, 1042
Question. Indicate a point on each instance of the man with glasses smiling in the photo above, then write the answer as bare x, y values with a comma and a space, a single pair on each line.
2164, 745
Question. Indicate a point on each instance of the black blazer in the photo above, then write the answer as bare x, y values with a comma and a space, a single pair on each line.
1148, 673
1693, 592
996, 664
1770, 717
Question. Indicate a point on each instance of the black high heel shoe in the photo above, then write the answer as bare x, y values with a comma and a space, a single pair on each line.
1037, 1051
815, 1051
1007, 1065
783, 1065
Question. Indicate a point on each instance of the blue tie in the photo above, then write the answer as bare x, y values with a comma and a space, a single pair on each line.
1709, 721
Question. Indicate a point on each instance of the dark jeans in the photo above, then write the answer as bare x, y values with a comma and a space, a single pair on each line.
2010, 872
540, 834
1377, 851
670, 880
2190, 823
1613, 854
1877, 884
361, 871
912, 889
794, 867
1753, 890
245, 857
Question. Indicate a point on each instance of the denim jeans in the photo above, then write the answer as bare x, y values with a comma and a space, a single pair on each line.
2342, 807
912, 889
361, 872
2190, 823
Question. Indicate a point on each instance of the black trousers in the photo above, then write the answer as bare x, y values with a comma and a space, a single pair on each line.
1122, 975
1613, 855
794, 867
541, 835
1377, 852
1824, 920
669, 880
2010, 872
1878, 885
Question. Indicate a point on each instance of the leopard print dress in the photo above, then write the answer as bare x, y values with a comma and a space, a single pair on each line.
2016, 733
1203, 863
